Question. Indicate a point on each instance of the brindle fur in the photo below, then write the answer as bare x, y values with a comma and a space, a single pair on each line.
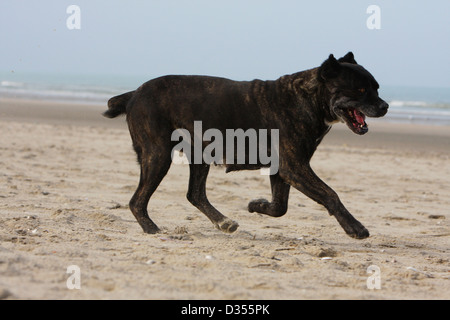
302, 106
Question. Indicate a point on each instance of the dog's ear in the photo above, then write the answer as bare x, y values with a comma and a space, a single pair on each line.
330, 68
349, 58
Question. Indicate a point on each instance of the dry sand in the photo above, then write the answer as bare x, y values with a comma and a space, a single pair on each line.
67, 174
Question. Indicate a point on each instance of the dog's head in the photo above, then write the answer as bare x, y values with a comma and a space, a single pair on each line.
353, 92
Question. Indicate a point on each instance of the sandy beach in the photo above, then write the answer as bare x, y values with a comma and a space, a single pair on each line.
67, 174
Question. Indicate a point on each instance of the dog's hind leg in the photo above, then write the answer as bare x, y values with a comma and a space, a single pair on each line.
197, 196
154, 166
280, 195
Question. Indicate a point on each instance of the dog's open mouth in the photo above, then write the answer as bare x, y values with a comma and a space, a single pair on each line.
355, 120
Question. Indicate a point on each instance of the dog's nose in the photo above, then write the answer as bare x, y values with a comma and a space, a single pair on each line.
384, 106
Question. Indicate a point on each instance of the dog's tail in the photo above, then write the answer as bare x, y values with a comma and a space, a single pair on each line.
118, 105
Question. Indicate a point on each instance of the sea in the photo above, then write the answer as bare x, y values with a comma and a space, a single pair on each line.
424, 105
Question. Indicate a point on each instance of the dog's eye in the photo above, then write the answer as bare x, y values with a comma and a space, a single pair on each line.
362, 90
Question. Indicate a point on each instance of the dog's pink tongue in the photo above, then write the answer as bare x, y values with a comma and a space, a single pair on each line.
360, 117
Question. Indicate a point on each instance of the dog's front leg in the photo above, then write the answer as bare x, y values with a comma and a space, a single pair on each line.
305, 180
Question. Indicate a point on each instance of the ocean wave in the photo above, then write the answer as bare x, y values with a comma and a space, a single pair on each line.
419, 112
418, 105
85, 93
11, 84
399, 103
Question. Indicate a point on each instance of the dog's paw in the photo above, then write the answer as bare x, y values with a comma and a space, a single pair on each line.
148, 226
263, 206
357, 232
259, 205
151, 230
351, 226
362, 234
227, 225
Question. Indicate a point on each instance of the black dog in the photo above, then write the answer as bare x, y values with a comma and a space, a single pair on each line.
302, 106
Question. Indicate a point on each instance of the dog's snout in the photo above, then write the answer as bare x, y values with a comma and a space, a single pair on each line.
384, 106
375, 110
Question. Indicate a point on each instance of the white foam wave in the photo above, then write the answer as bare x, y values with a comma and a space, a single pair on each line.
58, 92
11, 84
399, 103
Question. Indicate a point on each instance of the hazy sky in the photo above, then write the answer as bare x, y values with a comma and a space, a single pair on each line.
242, 39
